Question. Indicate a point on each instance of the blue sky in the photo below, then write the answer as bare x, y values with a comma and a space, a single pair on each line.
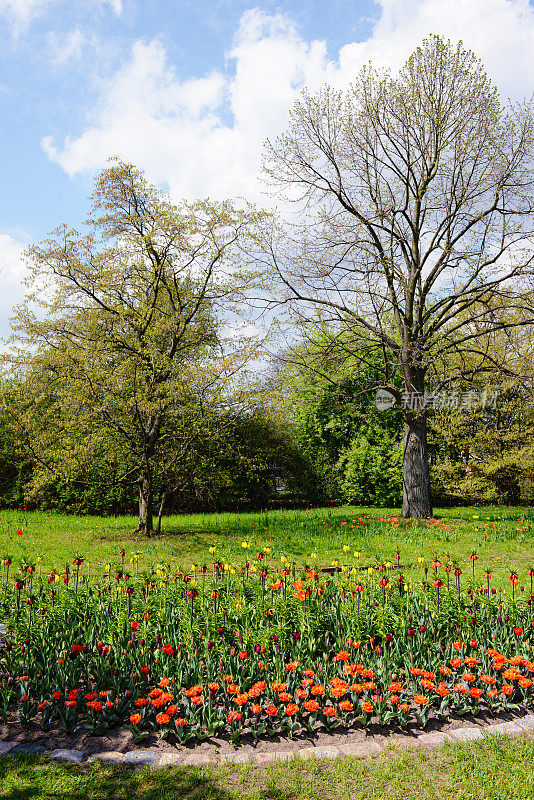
47, 92
189, 90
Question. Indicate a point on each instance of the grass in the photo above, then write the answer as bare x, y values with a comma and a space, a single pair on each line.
494, 769
502, 537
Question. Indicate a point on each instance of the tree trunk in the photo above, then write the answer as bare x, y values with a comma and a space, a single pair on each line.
415, 469
145, 503
160, 513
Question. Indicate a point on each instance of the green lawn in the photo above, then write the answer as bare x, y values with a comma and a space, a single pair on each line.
496, 769
502, 537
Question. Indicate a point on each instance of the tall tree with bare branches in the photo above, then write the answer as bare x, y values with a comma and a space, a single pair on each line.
416, 227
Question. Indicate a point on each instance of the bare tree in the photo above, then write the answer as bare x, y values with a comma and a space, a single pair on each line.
414, 233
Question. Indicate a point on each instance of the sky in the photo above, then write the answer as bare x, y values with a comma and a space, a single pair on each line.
189, 91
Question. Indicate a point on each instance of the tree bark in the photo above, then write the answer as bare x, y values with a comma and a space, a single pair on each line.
415, 469
146, 491
146, 500
160, 513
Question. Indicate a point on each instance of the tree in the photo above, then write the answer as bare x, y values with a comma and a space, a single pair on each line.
132, 336
323, 386
416, 229
245, 461
15, 466
482, 451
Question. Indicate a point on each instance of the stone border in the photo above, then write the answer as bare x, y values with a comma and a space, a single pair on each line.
151, 758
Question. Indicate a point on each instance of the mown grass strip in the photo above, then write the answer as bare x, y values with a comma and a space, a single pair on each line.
494, 769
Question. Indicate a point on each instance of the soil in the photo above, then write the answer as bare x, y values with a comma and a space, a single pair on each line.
121, 740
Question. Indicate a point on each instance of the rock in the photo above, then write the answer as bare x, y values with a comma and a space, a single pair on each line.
360, 749
141, 758
236, 758
468, 734
504, 729
28, 747
6, 747
526, 723
74, 756
108, 757
433, 739
276, 755
319, 752
167, 759
400, 741
199, 760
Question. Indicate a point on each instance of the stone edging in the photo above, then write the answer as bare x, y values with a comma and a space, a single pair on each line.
152, 758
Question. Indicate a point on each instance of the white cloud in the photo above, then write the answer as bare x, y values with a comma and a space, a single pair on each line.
116, 5
66, 47
500, 32
204, 136
178, 130
12, 267
12, 273
20, 12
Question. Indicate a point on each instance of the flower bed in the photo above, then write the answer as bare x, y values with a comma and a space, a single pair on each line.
263, 651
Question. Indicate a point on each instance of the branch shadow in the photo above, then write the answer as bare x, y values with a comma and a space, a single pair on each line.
30, 777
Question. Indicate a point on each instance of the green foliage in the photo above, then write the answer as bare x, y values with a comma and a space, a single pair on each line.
15, 467
354, 450
372, 470
240, 461
232, 460
484, 454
